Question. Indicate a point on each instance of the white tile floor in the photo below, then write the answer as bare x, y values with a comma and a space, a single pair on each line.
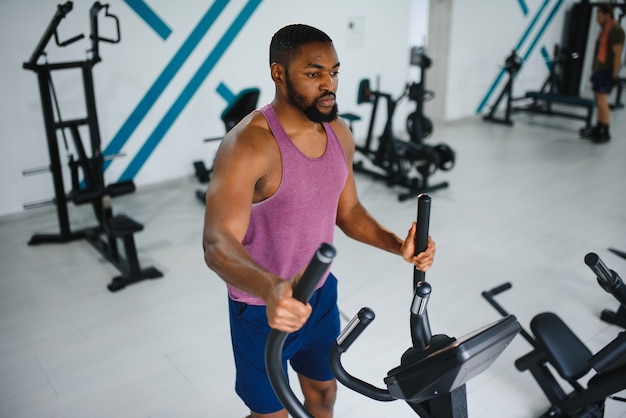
525, 204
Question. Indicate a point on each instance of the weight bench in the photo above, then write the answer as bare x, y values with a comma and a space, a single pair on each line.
542, 103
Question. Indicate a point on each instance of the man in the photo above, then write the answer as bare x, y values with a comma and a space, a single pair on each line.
282, 180
607, 62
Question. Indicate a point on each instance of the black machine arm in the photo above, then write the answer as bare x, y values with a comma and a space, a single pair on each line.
62, 11
432, 374
610, 281
95, 33
607, 278
350, 333
276, 339
420, 326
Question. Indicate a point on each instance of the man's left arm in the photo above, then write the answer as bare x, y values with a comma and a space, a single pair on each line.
357, 223
617, 45
617, 60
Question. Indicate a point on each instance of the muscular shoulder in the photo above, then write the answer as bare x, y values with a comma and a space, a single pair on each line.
249, 146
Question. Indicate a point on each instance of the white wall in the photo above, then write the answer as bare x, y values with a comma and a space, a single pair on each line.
481, 35
129, 68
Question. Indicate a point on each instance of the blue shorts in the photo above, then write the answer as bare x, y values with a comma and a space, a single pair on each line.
602, 81
306, 349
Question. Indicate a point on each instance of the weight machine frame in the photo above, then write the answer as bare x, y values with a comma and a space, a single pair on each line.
93, 189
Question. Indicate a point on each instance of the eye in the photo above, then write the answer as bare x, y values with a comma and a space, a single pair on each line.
334, 73
312, 75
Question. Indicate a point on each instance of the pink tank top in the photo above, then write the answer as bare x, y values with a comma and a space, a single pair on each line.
287, 228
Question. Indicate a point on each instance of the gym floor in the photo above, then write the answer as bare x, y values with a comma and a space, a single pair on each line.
525, 204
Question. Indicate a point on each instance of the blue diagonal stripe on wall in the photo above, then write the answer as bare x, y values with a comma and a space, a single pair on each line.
546, 57
523, 6
223, 90
174, 111
543, 28
519, 44
150, 17
162, 81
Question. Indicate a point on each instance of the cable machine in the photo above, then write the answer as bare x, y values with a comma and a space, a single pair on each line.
86, 171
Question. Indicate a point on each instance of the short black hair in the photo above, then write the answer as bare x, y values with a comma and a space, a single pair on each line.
286, 42
607, 9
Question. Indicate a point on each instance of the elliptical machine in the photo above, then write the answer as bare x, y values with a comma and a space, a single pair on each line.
555, 344
408, 164
432, 373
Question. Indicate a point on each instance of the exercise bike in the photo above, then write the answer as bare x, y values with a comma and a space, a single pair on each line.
407, 164
554, 344
419, 126
432, 373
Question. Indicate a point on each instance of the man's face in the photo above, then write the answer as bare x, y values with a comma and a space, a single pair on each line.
601, 18
311, 81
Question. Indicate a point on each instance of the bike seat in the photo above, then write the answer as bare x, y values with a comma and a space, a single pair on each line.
569, 356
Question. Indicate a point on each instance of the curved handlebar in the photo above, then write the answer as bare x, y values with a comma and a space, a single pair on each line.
95, 35
276, 339
350, 333
51, 30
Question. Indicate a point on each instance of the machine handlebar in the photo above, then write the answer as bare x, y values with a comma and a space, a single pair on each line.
600, 269
419, 322
421, 235
607, 278
349, 334
274, 346
51, 30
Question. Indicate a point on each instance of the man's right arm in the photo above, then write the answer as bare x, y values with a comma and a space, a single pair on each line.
241, 162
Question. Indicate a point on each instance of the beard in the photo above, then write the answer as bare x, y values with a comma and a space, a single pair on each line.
310, 110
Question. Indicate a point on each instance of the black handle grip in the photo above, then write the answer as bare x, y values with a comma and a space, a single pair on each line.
421, 235
349, 334
314, 272
354, 328
276, 339
600, 269
608, 279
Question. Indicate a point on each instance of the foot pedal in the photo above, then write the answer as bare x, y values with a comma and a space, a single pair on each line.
122, 225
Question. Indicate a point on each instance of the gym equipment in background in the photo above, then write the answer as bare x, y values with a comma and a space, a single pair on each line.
91, 188
512, 65
408, 164
550, 93
555, 345
242, 104
432, 373
562, 86
418, 125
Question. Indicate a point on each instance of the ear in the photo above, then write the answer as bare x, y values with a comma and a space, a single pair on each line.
277, 72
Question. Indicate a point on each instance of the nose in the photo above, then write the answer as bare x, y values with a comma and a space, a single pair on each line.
329, 82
